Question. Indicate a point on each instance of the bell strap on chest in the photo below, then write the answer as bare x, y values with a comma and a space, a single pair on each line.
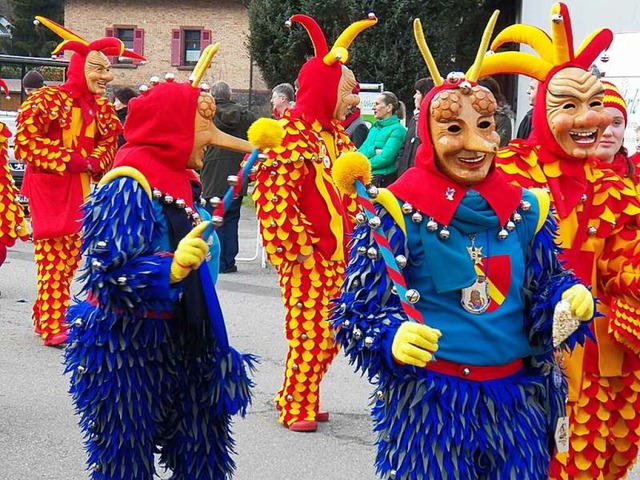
473, 372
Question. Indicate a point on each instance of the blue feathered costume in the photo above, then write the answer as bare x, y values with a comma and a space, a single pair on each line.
150, 364
484, 262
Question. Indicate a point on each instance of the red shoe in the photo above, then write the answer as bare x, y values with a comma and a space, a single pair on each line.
56, 339
304, 426
322, 416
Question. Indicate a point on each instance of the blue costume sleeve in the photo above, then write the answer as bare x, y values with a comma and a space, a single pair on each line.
124, 270
367, 314
545, 282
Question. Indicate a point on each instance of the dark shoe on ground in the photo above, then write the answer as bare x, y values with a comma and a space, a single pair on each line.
232, 269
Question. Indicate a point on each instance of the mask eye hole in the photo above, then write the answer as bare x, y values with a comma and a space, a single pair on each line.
484, 124
454, 128
595, 104
568, 106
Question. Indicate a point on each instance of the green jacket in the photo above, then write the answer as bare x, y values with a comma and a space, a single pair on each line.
388, 136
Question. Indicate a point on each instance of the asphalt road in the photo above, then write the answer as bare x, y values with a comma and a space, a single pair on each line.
39, 438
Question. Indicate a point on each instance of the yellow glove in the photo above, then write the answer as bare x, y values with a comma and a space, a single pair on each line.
190, 253
581, 301
413, 344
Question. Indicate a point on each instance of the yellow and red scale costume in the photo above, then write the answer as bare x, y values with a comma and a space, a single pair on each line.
60, 127
13, 225
597, 213
304, 221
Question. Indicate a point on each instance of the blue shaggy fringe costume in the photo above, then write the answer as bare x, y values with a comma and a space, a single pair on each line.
484, 261
150, 364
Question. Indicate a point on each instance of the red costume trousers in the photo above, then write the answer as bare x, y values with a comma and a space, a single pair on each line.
57, 260
604, 429
307, 289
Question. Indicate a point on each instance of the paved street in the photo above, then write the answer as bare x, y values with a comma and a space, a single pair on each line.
39, 438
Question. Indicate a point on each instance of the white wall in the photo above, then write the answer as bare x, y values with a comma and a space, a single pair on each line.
586, 16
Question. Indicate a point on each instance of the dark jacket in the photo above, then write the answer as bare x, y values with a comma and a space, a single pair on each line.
524, 130
503, 116
219, 163
122, 115
357, 131
407, 152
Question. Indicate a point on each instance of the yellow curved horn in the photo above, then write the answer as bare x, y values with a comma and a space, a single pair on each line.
206, 57
535, 37
474, 72
515, 62
345, 40
61, 31
561, 43
418, 33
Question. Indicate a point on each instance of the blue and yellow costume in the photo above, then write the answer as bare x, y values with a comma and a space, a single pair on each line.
150, 364
483, 268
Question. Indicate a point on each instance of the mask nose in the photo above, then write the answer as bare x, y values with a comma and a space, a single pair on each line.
476, 143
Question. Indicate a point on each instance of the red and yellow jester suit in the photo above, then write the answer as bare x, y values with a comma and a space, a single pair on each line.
304, 220
13, 225
67, 135
597, 211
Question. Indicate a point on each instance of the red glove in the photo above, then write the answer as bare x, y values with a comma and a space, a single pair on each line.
77, 164
94, 165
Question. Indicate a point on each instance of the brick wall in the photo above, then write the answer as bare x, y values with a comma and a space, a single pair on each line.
227, 20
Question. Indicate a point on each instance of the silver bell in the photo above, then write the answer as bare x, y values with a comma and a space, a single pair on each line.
394, 290
372, 253
233, 180
510, 226
122, 281
517, 217
168, 199
157, 194
81, 369
374, 222
416, 217
78, 323
380, 395
407, 208
432, 225
412, 295
592, 231
465, 87
362, 250
368, 342
401, 260
101, 245
526, 206
372, 190
217, 220
503, 234
187, 210
215, 202
444, 233
357, 333
180, 203
304, 336
361, 218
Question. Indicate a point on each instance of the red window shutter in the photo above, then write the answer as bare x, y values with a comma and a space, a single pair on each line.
205, 39
176, 47
138, 41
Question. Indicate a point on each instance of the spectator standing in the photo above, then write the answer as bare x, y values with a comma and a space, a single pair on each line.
121, 104
355, 126
385, 138
282, 97
407, 153
219, 163
504, 115
526, 125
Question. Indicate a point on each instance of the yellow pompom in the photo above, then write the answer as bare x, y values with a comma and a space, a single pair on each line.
265, 133
348, 168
